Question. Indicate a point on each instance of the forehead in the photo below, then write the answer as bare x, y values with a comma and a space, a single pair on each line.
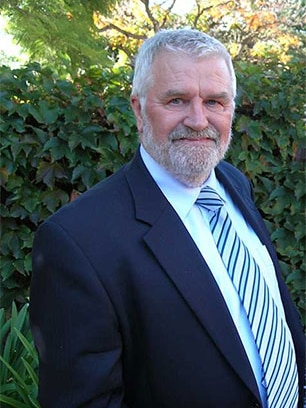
185, 71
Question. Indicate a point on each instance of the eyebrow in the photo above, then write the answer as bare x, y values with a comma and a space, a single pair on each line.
221, 95
176, 93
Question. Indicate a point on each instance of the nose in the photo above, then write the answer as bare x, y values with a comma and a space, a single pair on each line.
196, 117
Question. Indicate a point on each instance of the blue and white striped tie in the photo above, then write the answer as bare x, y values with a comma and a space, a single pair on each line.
270, 331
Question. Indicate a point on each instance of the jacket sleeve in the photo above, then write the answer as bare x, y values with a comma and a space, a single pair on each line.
74, 326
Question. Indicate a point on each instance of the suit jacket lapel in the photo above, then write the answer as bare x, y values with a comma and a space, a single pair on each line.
177, 254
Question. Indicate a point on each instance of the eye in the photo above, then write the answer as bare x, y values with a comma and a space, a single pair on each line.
214, 105
212, 102
175, 101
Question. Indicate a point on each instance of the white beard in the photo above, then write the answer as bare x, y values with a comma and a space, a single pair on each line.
191, 164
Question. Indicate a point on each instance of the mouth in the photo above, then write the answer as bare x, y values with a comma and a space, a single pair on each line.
195, 139
184, 135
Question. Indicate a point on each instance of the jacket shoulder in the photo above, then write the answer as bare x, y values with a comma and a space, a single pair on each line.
231, 175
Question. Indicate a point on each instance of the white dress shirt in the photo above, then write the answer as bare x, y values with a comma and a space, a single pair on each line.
195, 219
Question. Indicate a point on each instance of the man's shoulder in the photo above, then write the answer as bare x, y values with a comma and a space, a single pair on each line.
227, 167
98, 200
230, 170
229, 174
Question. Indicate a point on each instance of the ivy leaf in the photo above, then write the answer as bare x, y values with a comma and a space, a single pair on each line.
48, 113
49, 172
53, 199
36, 114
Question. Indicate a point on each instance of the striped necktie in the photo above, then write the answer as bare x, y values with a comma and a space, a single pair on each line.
270, 331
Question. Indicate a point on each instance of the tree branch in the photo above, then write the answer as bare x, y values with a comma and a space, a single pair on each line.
111, 26
153, 20
201, 11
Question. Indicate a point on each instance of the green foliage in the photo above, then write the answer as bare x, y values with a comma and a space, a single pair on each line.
71, 36
268, 145
58, 138
18, 361
60, 33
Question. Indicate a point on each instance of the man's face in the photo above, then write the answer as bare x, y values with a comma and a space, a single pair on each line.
186, 122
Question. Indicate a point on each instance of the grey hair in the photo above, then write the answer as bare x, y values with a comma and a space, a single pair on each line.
184, 41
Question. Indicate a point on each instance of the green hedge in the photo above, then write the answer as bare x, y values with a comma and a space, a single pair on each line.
18, 361
269, 146
59, 137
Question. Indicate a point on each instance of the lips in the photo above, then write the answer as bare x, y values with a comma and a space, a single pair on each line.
194, 139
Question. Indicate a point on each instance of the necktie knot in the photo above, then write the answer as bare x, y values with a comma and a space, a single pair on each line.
209, 199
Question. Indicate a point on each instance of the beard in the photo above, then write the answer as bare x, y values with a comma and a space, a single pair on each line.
190, 163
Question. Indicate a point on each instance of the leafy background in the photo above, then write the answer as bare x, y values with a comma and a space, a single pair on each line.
66, 123
59, 137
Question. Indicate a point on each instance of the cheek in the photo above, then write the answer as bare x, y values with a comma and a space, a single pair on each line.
223, 125
162, 125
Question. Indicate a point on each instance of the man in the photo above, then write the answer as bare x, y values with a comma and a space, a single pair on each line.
132, 303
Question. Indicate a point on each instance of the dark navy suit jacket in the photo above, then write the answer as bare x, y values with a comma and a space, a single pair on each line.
124, 310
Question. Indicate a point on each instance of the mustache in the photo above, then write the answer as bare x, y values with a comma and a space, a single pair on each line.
186, 133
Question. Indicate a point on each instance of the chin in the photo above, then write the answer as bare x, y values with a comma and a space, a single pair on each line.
192, 178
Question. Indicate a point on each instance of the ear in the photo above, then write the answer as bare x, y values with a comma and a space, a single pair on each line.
136, 106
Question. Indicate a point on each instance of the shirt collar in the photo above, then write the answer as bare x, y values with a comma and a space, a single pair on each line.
181, 197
